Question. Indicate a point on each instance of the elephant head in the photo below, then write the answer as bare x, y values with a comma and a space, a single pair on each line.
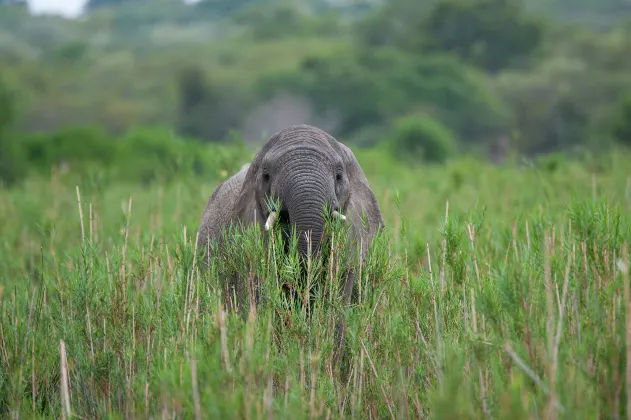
307, 170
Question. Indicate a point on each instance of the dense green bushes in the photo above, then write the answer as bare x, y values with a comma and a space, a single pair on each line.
621, 120
421, 138
10, 168
138, 155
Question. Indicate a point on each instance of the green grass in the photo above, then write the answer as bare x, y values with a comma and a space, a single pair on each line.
523, 313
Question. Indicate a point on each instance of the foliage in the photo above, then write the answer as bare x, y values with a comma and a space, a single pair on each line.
208, 110
492, 34
421, 137
209, 69
565, 101
92, 5
7, 104
601, 15
223, 8
141, 154
391, 22
372, 86
10, 156
281, 19
621, 126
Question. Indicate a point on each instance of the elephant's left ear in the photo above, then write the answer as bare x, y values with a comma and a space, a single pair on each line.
362, 208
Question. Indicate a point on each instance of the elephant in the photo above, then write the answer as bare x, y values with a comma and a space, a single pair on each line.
307, 170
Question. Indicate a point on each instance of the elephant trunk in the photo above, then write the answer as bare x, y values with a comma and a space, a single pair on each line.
309, 221
306, 195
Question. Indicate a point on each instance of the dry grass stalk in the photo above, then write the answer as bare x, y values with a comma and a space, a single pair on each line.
627, 299
438, 337
224, 339
66, 411
196, 401
80, 214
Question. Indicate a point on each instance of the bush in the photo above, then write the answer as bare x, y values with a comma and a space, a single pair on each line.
77, 148
140, 155
561, 104
207, 109
11, 167
12, 162
421, 137
491, 34
621, 121
151, 154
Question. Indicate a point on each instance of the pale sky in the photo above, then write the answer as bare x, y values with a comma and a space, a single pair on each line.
69, 8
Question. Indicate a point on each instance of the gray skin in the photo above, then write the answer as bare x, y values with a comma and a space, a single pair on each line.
306, 169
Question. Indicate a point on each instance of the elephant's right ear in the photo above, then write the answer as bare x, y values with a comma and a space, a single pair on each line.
362, 205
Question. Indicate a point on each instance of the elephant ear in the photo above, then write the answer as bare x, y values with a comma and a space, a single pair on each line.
246, 209
362, 207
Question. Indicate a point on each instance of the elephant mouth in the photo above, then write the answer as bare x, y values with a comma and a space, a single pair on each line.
283, 217
282, 220
284, 223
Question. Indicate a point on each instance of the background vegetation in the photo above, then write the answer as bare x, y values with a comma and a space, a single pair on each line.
495, 134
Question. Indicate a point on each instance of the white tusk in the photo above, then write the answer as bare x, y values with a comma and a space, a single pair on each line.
337, 214
271, 220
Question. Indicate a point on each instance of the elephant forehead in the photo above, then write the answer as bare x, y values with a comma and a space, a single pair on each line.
291, 151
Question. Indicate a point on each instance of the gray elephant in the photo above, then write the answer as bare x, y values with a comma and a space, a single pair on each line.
307, 170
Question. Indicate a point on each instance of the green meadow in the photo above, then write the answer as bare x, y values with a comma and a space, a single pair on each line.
496, 291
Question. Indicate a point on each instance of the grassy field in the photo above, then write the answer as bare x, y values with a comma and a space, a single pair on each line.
496, 291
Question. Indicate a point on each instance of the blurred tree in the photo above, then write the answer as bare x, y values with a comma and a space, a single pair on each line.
279, 18
566, 99
92, 5
218, 9
392, 22
350, 8
601, 14
492, 34
370, 86
421, 138
11, 167
206, 110
7, 105
621, 120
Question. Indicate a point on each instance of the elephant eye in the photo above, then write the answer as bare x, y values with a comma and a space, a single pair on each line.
265, 177
338, 177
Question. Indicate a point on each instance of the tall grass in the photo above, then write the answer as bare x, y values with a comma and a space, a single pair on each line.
495, 292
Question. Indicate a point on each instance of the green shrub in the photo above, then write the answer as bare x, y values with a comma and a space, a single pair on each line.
550, 162
11, 160
151, 154
621, 121
77, 148
141, 154
148, 154
421, 137
491, 34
